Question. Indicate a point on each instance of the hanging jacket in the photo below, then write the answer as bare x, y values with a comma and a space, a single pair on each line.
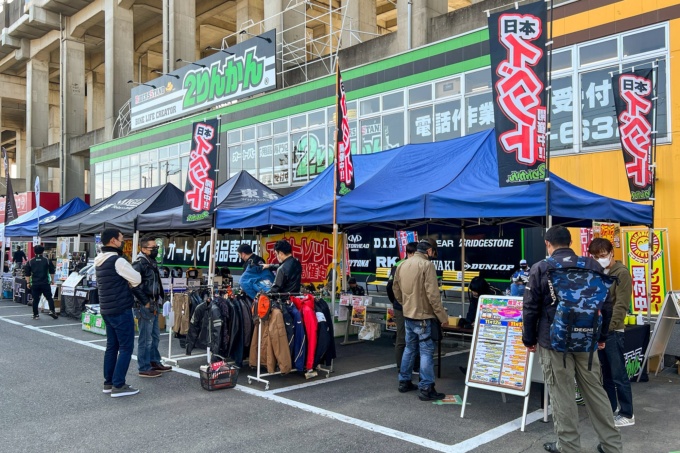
300, 339
321, 306
278, 351
289, 325
199, 335
255, 279
264, 343
247, 318
226, 316
306, 306
235, 349
180, 305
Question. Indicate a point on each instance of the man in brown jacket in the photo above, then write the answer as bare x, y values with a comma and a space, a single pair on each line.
416, 286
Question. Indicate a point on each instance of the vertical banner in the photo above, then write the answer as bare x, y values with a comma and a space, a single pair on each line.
586, 236
403, 238
10, 204
201, 178
637, 249
314, 250
519, 74
633, 99
343, 151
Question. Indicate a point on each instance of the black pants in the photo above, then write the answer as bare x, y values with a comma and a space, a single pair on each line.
41, 289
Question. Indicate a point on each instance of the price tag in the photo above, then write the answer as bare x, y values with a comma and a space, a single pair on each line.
98, 322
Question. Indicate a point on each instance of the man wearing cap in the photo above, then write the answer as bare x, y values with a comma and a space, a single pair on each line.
519, 279
416, 287
354, 288
254, 278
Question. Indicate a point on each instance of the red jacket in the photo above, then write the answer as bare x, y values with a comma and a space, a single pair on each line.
306, 306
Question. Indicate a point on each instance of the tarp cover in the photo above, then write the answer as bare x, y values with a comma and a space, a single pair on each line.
118, 211
454, 179
241, 190
29, 227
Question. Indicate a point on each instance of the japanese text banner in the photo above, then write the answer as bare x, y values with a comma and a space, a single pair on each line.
314, 250
343, 152
633, 93
201, 180
518, 71
637, 252
10, 203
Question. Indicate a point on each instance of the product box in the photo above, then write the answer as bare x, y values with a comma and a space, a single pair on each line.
93, 323
653, 363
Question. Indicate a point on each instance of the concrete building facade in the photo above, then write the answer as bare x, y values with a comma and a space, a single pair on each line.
414, 71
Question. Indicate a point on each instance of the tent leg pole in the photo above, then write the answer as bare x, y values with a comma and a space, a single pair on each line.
462, 272
135, 244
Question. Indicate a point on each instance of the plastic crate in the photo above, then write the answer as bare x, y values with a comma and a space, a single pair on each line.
218, 375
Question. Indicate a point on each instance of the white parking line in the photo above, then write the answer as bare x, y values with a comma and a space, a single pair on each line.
59, 325
462, 447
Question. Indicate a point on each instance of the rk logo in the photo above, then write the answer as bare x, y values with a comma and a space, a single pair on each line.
354, 238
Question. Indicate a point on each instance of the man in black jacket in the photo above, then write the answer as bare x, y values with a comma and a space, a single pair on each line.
18, 257
149, 296
288, 272
560, 369
115, 276
39, 272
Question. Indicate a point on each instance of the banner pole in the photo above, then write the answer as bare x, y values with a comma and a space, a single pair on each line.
213, 229
548, 217
652, 170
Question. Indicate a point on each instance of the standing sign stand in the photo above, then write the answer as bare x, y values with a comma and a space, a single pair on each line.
499, 361
668, 315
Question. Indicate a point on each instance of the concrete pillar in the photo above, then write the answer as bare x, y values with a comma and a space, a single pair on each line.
361, 17
179, 33
95, 101
249, 11
20, 160
37, 110
421, 13
119, 61
73, 167
54, 125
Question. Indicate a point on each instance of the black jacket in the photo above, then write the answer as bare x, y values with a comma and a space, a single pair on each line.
19, 256
151, 288
288, 276
539, 311
199, 335
115, 296
39, 269
253, 260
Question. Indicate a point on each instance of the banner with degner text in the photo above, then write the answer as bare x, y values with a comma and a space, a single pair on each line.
518, 70
201, 176
633, 92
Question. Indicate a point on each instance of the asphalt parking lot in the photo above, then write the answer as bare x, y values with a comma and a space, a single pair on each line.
51, 399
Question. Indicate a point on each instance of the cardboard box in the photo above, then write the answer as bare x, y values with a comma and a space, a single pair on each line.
93, 323
654, 362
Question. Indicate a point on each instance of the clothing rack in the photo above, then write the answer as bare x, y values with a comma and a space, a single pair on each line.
259, 375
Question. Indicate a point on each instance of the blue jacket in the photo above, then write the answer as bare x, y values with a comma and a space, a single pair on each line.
300, 341
255, 279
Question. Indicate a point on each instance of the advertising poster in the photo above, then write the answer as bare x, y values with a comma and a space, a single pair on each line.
61, 272
201, 182
637, 249
607, 230
586, 237
403, 238
313, 249
499, 358
63, 245
390, 322
358, 315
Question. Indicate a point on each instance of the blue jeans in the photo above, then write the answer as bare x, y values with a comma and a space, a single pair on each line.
614, 375
516, 290
149, 337
120, 341
418, 337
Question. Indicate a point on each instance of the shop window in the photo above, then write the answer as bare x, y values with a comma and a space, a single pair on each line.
298, 122
446, 88
479, 113
164, 152
233, 137
248, 134
447, 120
99, 186
98, 168
420, 94
280, 127
107, 166
134, 178
330, 114
369, 106
173, 150
392, 130
264, 130
393, 100
662, 94
478, 81
265, 155
281, 160
235, 160
598, 114
115, 164
352, 110
315, 152
124, 162
316, 118
562, 114
115, 181
106, 184
249, 158
125, 179
595, 53
371, 134
644, 41
134, 160
184, 148
298, 143
421, 125
561, 60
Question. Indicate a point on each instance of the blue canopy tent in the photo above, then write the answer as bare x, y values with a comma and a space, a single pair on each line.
435, 183
30, 215
25, 228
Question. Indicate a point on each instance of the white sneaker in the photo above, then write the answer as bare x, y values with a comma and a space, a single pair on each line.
620, 421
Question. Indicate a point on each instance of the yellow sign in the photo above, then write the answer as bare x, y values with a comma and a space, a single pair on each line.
609, 231
314, 250
637, 249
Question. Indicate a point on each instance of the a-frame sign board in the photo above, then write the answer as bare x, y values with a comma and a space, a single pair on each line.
668, 315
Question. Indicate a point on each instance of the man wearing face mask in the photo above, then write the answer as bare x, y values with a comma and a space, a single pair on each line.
519, 279
288, 271
614, 375
416, 287
149, 296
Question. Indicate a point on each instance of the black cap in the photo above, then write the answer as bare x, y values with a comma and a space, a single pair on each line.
352, 280
244, 248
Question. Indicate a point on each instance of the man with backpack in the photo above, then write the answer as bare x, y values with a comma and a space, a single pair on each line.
555, 304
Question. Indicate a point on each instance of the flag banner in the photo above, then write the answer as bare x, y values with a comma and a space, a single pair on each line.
633, 99
519, 73
343, 151
10, 203
201, 179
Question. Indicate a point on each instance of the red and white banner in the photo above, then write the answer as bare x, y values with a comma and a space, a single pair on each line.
201, 178
518, 68
633, 93
343, 150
